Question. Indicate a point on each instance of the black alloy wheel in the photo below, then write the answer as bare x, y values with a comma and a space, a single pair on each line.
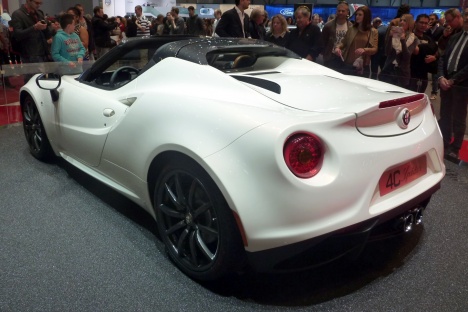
195, 223
36, 136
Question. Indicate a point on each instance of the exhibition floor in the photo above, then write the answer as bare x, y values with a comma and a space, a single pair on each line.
68, 243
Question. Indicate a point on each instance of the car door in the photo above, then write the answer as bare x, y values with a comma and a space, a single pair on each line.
84, 117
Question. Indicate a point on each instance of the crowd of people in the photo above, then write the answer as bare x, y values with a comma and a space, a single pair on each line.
403, 53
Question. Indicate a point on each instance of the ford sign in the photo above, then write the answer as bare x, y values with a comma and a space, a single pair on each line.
287, 12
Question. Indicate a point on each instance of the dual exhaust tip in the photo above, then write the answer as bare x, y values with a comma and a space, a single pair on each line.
409, 219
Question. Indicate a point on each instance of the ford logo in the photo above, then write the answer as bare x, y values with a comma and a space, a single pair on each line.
287, 12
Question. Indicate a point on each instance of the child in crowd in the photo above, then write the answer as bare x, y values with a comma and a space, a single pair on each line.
66, 46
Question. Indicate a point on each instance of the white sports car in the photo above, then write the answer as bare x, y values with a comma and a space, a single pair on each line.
244, 153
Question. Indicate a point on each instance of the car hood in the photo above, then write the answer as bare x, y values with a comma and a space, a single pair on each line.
323, 93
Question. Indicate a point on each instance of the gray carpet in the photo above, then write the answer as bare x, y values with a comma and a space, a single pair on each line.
67, 243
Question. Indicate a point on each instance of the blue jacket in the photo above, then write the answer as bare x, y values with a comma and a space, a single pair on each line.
67, 47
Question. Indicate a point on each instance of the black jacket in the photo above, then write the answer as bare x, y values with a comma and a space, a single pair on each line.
256, 31
461, 75
230, 25
307, 42
32, 42
101, 31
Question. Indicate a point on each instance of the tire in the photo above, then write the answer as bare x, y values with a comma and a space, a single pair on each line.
36, 136
195, 222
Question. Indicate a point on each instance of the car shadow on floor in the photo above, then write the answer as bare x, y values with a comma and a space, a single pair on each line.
314, 286
305, 288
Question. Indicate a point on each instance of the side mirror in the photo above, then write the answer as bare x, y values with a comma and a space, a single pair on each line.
50, 82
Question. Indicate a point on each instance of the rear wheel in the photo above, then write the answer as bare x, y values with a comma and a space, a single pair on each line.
36, 136
195, 223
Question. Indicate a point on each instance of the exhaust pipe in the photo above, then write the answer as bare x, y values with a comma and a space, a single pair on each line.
408, 220
418, 215
413, 217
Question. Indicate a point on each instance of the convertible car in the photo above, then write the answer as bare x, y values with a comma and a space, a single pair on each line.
246, 155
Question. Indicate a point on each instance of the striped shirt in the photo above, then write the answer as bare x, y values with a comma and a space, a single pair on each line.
143, 22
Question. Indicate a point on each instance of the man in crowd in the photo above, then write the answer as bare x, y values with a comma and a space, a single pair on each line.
435, 31
142, 23
332, 34
176, 23
256, 28
453, 81
305, 39
217, 15
32, 32
101, 31
195, 25
454, 24
234, 22
379, 58
423, 59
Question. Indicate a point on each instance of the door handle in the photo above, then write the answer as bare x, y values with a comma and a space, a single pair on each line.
108, 112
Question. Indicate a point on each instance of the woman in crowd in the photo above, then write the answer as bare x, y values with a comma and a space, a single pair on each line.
279, 32
399, 47
358, 45
80, 30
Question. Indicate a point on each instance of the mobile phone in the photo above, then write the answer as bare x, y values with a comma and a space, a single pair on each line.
43, 22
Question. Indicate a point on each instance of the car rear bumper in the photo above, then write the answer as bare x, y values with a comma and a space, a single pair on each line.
328, 247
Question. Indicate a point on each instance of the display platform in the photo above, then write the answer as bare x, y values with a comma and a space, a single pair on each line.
68, 243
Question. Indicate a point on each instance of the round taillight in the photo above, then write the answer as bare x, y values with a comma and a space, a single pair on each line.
303, 154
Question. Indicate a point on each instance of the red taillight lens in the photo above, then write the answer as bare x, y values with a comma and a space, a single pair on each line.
303, 154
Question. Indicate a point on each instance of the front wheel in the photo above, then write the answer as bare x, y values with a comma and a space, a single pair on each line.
195, 223
36, 136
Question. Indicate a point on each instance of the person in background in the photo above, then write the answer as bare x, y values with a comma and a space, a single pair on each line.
157, 27
305, 39
66, 45
122, 21
5, 52
195, 25
176, 23
454, 25
399, 47
435, 31
453, 81
101, 30
32, 31
235, 22
15, 46
131, 27
208, 27
279, 33
424, 57
256, 29
378, 59
402, 9
80, 30
142, 23
85, 22
333, 33
359, 44
217, 15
